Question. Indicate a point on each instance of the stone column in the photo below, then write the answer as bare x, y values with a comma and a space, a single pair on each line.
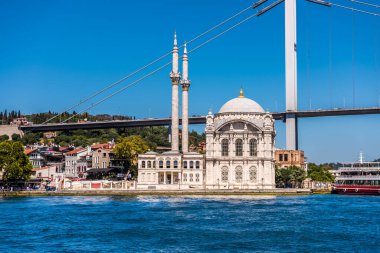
175, 76
185, 109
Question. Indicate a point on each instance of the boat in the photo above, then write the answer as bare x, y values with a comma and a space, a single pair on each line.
360, 178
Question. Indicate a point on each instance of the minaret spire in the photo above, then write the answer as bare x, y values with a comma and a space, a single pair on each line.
175, 76
185, 98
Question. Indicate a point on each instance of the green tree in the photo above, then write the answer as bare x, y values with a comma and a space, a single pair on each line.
128, 149
4, 137
16, 137
292, 176
320, 173
31, 138
14, 162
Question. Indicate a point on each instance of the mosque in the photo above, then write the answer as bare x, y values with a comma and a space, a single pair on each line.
240, 146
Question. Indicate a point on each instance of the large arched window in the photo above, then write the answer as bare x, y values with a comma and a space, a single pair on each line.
161, 164
253, 147
224, 147
238, 174
175, 165
224, 173
143, 164
239, 147
149, 164
252, 174
168, 164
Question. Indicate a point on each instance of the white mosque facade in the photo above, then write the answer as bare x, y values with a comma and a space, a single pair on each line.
240, 146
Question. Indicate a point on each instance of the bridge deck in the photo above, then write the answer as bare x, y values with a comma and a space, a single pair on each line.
192, 120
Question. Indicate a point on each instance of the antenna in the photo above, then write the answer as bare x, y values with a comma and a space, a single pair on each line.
361, 157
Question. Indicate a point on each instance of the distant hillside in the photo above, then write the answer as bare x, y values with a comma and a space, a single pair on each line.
38, 118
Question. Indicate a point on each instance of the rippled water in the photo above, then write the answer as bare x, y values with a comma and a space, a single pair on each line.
316, 223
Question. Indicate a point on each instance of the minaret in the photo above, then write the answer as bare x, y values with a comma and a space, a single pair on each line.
185, 109
174, 76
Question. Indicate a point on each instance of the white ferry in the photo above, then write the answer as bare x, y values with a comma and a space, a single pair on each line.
358, 178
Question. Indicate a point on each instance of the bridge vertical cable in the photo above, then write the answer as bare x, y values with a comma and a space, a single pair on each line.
330, 59
377, 67
353, 59
308, 57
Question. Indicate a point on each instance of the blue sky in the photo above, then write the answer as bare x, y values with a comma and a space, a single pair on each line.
55, 53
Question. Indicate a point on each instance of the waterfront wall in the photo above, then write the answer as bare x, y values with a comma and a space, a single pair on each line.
109, 192
9, 130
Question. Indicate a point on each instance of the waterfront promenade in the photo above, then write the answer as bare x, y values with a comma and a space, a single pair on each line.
279, 191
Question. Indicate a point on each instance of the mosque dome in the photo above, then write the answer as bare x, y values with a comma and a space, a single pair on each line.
241, 104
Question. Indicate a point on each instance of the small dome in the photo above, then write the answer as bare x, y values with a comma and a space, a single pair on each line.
241, 104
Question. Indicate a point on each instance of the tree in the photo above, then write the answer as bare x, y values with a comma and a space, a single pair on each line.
16, 137
4, 137
14, 162
128, 149
292, 176
31, 138
320, 173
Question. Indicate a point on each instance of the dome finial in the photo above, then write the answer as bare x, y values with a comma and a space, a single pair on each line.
241, 93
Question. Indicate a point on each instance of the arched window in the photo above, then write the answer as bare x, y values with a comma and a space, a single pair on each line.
224, 147
191, 164
239, 147
253, 147
143, 164
238, 174
167, 163
149, 164
197, 164
175, 164
154, 164
161, 164
185, 164
252, 174
224, 174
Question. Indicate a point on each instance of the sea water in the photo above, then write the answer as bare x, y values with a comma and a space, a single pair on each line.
314, 223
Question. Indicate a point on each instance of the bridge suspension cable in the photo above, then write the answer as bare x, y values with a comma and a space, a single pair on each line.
365, 3
151, 63
330, 4
258, 13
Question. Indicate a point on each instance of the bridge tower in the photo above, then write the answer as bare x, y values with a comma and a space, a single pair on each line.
291, 74
175, 76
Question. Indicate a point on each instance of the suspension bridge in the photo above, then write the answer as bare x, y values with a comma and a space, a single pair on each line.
289, 116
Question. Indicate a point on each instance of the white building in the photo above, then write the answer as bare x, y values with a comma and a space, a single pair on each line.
47, 173
37, 159
73, 162
240, 146
240, 142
